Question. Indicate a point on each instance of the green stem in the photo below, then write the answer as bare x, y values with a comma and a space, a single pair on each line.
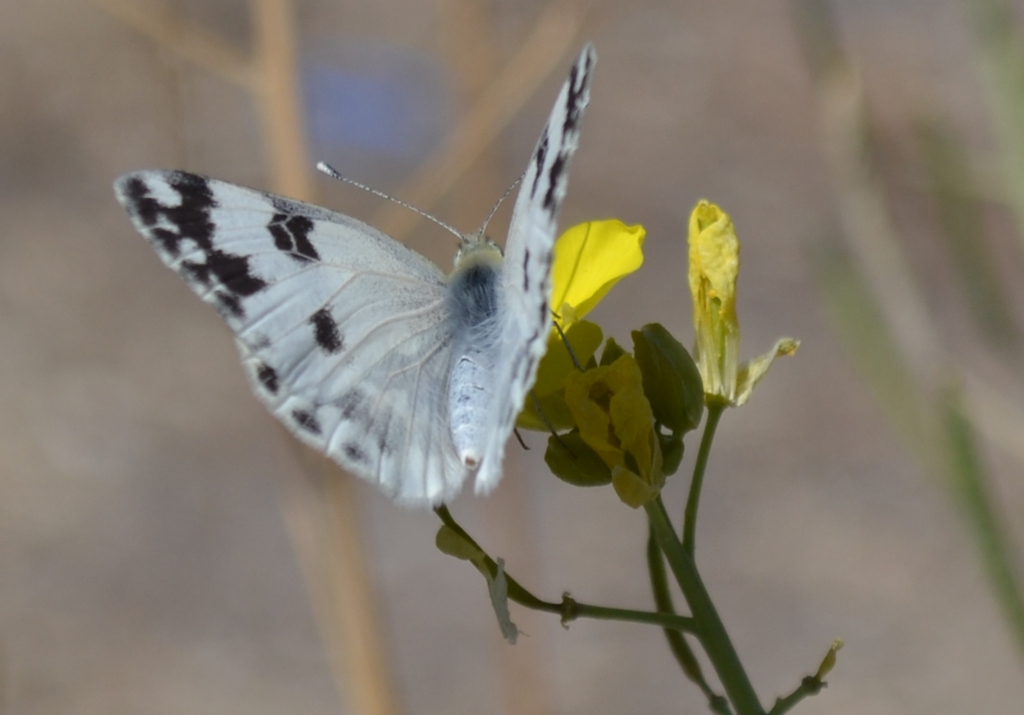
677, 641
693, 499
569, 609
710, 630
808, 686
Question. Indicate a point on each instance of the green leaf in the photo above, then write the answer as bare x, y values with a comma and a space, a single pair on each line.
672, 452
612, 352
672, 382
570, 459
452, 543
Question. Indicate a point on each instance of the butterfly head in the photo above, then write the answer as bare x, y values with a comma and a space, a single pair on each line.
475, 248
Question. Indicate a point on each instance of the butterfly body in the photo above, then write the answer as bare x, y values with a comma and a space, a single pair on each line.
474, 295
363, 348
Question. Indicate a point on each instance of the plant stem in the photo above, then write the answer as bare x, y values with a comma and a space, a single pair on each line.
710, 630
677, 641
569, 609
808, 686
693, 499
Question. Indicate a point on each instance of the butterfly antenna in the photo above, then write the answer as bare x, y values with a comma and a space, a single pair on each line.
326, 168
494, 210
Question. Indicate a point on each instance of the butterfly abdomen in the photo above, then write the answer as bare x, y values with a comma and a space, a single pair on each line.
474, 309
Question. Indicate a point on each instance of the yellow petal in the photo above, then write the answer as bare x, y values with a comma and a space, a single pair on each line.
590, 259
752, 371
631, 489
714, 268
588, 396
714, 255
633, 422
614, 416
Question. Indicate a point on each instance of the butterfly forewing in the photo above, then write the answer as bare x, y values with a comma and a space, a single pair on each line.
526, 270
343, 331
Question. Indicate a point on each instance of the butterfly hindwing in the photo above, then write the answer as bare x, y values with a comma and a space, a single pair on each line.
526, 269
343, 331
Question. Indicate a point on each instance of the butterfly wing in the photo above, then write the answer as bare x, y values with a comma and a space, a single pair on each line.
526, 269
343, 331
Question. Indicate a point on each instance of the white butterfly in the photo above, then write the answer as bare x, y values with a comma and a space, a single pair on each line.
362, 347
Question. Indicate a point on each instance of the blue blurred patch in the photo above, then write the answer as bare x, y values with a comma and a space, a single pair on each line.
375, 99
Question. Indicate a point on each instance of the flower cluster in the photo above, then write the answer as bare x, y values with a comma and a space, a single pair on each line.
619, 417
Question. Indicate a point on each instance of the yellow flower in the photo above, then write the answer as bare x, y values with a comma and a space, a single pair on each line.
615, 420
589, 260
714, 268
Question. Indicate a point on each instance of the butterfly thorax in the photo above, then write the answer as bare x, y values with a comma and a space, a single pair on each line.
473, 298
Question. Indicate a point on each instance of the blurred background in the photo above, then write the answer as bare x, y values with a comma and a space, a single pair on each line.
165, 547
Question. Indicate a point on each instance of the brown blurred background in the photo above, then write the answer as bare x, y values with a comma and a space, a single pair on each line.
149, 523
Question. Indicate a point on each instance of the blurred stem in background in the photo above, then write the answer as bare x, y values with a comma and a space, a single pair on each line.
962, 222
1000, 54
878, 306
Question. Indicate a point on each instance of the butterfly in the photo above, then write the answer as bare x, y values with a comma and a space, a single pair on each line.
363, 348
